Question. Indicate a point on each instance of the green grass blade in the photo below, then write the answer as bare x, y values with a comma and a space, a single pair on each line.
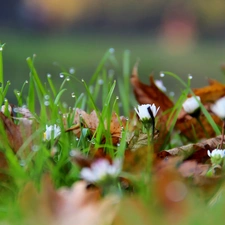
35, 75
1, 67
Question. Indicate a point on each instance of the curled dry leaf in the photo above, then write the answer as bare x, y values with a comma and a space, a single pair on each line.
210, 93
192, 129
91, 121
196, 151
149, 94
76, 205
12, 132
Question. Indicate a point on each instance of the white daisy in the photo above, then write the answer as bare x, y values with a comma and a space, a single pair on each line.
191, 104
52, 131
100, 170
218, 108
143, 111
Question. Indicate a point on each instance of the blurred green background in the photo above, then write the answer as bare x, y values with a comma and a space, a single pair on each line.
178, 36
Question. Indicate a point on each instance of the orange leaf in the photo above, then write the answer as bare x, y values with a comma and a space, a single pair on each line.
210, 93
91, 122
149, 94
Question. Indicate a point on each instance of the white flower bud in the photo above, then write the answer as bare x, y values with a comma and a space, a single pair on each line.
218, 108
191, 104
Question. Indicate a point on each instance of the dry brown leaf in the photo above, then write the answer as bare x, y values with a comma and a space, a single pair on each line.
196, 151
91, 121
192, 129
14, 137
210, 93
149, 94
76, 205
192, 168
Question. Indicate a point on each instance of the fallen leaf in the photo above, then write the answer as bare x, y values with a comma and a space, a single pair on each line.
67, 206
91, 121
13, 133
191, 168
194, 130
210, 93
197, 151
149, 94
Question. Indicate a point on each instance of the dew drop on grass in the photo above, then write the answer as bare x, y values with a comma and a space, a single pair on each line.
73, 95
49, 75
118, 144
162, 74
71, 70
46, 97
67, 79
61, 75
72, 153
1, 48
100, 82
171, 94
18, 93
190, 76
46, 103
77, 139
111, 50
35, 148
22, 163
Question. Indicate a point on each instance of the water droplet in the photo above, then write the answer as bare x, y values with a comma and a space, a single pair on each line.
26, 82
111, 50
46, 103
117, 97
18, 93
118, 144
100, 81
73, 95
73, 153
22, 162
190, 76
49, 75
82, 80
67, 79
46, 97
1, 48
171, 94
77, 139
61, 75
71, 70
35, 148
162, 74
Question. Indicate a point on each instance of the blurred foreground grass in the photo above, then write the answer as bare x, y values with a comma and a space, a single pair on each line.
83, 51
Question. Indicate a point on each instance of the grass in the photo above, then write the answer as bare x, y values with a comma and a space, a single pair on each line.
103, 93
